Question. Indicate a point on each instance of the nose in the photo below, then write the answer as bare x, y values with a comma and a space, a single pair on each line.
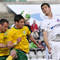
44, 9
22, 23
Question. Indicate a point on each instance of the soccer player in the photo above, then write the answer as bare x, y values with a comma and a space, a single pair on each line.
20, 32
51, 30
4, 50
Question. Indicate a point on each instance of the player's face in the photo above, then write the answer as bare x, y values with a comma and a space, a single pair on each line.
21, 23
5, 26
46, 10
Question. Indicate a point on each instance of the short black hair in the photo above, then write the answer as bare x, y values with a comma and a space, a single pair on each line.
4, 20
17, 18
45, 4
0, 22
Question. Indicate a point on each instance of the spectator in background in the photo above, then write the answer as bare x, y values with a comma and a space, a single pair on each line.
35, 30
34, 26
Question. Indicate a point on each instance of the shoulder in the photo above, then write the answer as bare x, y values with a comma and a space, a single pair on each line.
25, 27
36, 24
11, 30
45, 22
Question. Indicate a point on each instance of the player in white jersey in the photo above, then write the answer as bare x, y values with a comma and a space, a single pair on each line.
51, 31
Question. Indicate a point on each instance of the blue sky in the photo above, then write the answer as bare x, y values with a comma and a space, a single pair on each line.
37, 16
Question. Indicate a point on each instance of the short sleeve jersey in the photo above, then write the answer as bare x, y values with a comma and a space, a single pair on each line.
13, 34
3, 51
52, 26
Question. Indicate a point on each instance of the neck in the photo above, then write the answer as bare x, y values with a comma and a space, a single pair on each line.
17, 27
3, 31
49, 15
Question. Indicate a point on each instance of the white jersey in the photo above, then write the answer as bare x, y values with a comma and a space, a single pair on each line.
52, 26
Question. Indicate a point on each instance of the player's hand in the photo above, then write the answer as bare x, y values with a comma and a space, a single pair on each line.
18, 40
41, 47
10, 44
13, 53
49, 50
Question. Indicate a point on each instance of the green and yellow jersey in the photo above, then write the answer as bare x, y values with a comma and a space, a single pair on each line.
13, 34
3, 51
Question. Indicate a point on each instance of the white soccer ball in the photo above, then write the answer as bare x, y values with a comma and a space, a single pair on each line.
26, 15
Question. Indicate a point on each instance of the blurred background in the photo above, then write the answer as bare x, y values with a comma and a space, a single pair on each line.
5, 12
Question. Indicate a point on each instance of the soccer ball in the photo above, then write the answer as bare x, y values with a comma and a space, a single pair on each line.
26, 15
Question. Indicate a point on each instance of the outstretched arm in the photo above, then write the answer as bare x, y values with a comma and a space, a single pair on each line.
46, 40
33, 40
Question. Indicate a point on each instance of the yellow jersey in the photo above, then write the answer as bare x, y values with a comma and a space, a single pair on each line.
13, 34
3, 51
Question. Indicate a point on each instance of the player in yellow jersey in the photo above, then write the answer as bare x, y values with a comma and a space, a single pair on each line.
20, 32
4, 51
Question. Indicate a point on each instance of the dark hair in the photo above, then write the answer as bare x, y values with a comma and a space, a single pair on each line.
17, 18
4, 20
0, 22
45, 4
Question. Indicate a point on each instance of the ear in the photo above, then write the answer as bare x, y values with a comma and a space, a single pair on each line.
50, 8
16, 22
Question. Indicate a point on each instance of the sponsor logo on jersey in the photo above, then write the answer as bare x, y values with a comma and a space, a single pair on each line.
57, 25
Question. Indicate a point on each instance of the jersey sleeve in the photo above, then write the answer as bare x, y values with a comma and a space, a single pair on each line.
44, 26
9, 34
28, 31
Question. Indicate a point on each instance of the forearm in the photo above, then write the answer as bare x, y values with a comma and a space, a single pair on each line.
34, 41
46, 39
